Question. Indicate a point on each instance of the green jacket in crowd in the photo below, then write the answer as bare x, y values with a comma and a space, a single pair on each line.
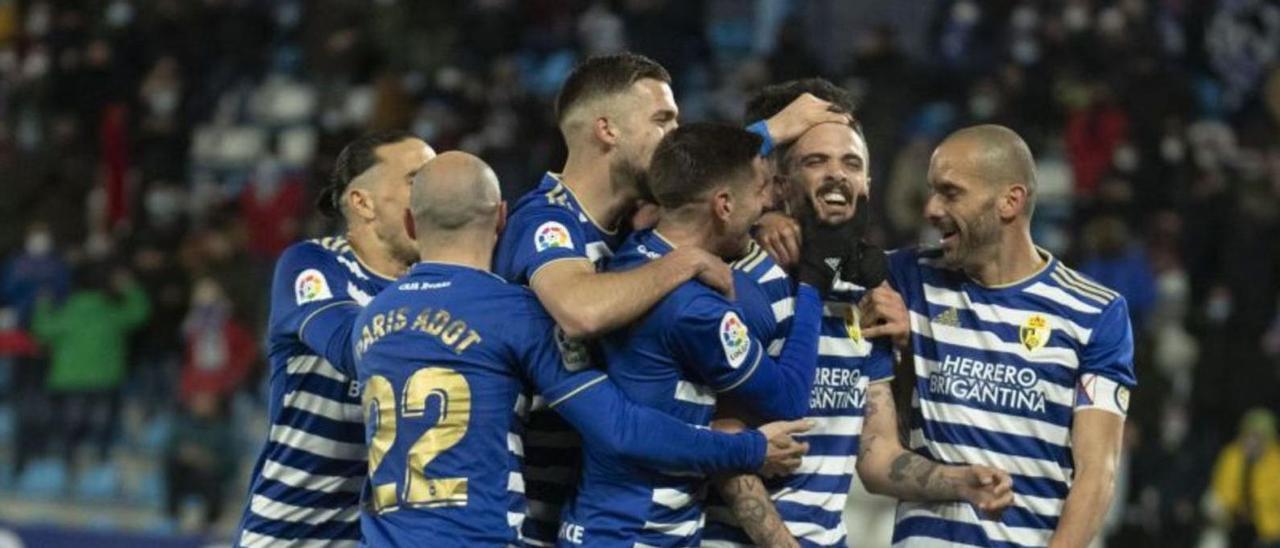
87, 338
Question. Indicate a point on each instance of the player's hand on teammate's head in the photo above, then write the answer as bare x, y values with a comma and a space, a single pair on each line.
883, 313
783, 452
801, 114
780, 236
988, 489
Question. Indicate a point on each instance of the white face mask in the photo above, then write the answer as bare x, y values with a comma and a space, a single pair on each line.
39, 243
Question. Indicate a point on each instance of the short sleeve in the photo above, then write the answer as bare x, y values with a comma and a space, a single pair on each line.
557, 367
1106, 362
901, 264
543, 237
711, 336
879, 364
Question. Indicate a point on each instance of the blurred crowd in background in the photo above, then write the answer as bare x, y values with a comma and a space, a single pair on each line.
156, 156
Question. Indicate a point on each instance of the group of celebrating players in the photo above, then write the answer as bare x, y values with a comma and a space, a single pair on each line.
683, 339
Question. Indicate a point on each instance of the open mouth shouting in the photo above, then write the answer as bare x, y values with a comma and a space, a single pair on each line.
834, 202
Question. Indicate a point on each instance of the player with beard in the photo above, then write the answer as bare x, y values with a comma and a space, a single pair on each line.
441, 356
850, 403
305, 488
1019, 362
693, 347
612, 111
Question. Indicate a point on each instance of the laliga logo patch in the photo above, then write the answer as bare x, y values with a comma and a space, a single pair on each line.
1035, 332
310, 286
551, 234
734, 339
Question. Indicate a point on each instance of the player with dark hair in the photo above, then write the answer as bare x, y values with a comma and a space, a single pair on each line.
1017, 361
305, 488
851, 403
442, 355
710, 184
612, 111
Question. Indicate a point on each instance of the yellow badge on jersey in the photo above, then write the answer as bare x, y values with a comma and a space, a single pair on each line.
851, 321
1035, 332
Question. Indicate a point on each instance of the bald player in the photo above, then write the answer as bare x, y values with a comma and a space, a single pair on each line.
1020, 363
305, 489
443, 354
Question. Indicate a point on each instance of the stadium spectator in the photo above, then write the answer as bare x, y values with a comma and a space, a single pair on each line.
86, 339
219, 349
1245, 495
200, 459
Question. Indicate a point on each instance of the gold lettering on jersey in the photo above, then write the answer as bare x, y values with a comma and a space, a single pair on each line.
381, 325
452, 332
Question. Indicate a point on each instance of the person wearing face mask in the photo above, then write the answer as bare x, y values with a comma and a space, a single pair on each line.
219, 350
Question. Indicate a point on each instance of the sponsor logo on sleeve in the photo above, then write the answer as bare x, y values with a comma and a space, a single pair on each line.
734, 339
310, 286
551, 234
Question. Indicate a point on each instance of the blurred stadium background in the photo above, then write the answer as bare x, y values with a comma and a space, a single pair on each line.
178, 143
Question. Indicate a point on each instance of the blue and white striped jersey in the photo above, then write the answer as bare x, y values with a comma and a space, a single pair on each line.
547, 225
306, 484
811, 501
1000, 372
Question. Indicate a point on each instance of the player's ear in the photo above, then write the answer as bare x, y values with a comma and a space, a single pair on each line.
502, 216
409, 226
605, 131
360, 201
1014, 202
722, 204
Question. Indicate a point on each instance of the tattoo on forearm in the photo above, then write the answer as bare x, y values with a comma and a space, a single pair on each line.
751, 506
925, 474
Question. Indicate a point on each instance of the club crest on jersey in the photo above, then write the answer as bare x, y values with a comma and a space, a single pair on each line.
310, 286
551, 234
1035, 332
851, 324
734, 339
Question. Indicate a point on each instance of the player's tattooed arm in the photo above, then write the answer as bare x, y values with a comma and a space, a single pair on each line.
747, 497
887, 468
755, 512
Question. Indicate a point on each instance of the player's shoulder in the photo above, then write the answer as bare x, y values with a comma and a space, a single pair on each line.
550, 199
1081, 292
914, 257
759, 266
319, 250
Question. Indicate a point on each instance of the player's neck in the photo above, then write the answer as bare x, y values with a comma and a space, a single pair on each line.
375, 254
459, 252
685, 234
1015, 259
592, 184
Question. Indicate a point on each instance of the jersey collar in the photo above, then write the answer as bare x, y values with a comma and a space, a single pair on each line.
436, 267
577, 204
